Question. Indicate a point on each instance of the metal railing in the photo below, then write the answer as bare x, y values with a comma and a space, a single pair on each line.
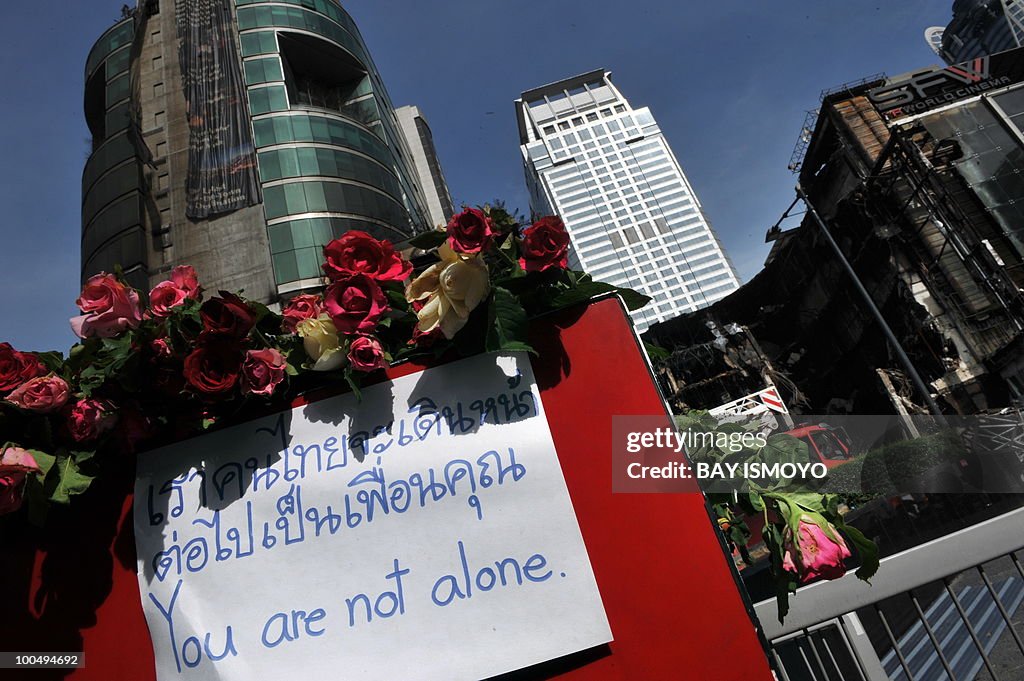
949, 609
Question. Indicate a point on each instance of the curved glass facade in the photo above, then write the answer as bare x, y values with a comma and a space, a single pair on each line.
112, 231
330, 154
331, 157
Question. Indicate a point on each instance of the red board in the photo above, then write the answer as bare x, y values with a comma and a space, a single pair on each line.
671, 595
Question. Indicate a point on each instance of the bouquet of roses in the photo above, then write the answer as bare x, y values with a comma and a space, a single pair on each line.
151, 369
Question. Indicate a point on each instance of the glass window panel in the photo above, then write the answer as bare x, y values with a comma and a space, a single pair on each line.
307, 261
285, 268
315, 197
295, 198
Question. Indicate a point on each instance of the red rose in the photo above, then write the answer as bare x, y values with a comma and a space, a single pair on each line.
227, 315
359, 253
16, 464
545, 245
263, 371
355, 304
110, 307
89, 418
183, 285
470, 231
305, 306
212, 368
17, 367
366, 354
43, 394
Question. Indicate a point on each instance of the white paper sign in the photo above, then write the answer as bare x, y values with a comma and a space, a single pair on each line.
423, 533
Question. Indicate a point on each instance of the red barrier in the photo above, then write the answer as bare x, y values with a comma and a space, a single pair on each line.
669, 591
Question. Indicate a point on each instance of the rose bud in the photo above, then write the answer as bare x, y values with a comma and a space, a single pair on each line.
305, 306
263, 371
470, 231
817, 552
545, 245
16, 465
366, 354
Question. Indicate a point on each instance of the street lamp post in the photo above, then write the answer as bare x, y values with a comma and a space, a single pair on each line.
901, 354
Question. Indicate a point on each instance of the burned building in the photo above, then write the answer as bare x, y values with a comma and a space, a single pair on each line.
919, 179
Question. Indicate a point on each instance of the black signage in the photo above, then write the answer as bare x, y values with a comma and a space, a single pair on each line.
925, 90
222, 173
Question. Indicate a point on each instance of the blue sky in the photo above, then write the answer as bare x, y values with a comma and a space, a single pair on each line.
728, 81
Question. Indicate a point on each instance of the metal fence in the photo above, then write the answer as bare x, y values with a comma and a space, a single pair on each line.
950, 609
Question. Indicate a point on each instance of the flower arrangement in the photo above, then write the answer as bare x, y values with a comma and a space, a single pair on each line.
150, 369
803, 528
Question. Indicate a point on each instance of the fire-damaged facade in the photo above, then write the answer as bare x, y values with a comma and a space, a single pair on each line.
919, 180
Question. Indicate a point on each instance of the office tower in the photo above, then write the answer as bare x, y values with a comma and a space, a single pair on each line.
607, 170
238, 137
428, 166
982, 27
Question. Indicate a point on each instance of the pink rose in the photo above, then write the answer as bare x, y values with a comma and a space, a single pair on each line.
89, 418
263, 371
366, 354
305, 306
167, 295
357, 252
17, 367
815, 553
470, 231
355, 304
44, 394
110, 307
15, 466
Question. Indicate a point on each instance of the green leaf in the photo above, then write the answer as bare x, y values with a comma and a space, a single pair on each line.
506, 323
584, 291
71, 482
353, 383
656, 352
867, 549
429, 240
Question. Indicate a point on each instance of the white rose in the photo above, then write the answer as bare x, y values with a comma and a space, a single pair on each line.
321, 342
452, 289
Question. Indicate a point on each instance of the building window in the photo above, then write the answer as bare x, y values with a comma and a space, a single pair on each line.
631, 235
620, 108
647, 230
577, 121
158, 89
161, 149
549, 130
158, 62
616, 240
563, 125
591, 117
159, 119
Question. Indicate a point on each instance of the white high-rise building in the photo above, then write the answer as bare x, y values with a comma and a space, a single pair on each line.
428, 166
633, 217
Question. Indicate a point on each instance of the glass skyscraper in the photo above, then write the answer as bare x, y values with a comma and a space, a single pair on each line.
239, 136
633, 217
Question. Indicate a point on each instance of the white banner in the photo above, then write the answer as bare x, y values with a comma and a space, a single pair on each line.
425, 532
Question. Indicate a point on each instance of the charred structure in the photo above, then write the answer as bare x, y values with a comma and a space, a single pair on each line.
920, 181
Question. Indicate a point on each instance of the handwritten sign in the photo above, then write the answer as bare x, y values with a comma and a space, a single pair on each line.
425, 532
